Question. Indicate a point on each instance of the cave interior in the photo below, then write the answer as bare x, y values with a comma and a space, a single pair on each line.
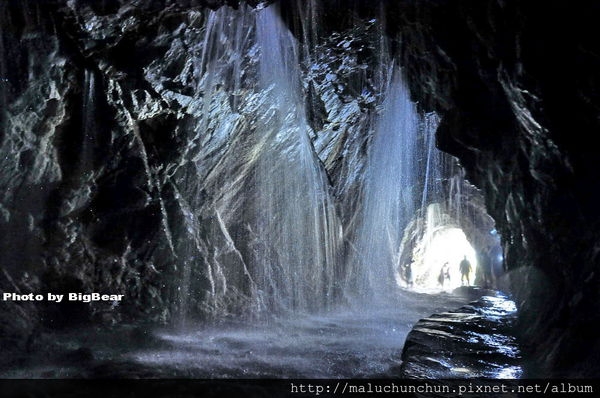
144, 144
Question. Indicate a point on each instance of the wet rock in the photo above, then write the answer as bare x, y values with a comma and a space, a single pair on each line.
101, 131
475, 341
521, 135
473, 292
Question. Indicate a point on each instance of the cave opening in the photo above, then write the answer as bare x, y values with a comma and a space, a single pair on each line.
303, 178
446, 246
303, 268
438, 239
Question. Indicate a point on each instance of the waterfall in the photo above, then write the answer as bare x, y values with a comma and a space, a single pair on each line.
205, 286
389, 191
297, 222
275, 240
86, 153
432, 184
267, 240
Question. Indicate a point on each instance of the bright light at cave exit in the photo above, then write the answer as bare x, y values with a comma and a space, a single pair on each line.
446, 244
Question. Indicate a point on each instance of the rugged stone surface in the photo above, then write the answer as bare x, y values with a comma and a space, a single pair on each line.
122, 166
474, 341
517, 87
101, 133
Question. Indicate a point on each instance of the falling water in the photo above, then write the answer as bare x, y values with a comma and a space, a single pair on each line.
435, 233
309, 18
250, 102
455, 196
89, 120
221, 61
290, 256
432, 184
296, 218
389, 191
250, 114
202, 286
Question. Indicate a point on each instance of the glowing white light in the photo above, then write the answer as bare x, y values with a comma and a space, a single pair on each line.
444, 245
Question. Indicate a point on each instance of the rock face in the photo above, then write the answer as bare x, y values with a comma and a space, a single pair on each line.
131, 159
517, 87
474, 340
125, 152
86, 147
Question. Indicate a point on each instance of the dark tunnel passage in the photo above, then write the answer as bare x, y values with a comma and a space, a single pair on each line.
275, 189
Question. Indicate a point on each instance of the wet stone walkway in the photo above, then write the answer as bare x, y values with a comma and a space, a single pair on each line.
473, 341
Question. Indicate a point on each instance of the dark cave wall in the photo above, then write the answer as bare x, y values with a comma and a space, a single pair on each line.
102, 135
88, 151
517, 85
96, 204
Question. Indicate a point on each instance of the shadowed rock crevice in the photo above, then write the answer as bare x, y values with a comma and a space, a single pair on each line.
129, 136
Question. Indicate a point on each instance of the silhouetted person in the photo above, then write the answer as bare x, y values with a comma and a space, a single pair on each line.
465, 269
444, 274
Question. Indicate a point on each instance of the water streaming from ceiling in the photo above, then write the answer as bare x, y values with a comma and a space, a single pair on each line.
297, 221
287, 250
262, 232
389, 192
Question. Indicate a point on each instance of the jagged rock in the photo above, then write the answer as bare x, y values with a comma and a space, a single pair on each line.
102, 127
520, 133
474, 341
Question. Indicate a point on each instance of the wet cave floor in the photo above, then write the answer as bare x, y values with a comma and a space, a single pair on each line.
464, 334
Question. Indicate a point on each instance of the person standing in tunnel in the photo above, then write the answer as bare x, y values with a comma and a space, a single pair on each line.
465, 270
444, 274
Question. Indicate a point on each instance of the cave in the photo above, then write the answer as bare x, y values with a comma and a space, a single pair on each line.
246, 189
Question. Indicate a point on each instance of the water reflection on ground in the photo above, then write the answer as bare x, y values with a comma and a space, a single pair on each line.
366, 341
474, 341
